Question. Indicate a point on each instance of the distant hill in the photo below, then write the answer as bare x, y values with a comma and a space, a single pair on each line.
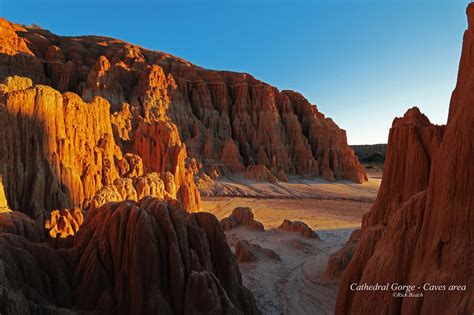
371, 153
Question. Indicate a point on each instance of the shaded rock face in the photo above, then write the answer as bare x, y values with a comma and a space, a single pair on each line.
339, 260
413, 143
420, 230
248, 252
35, 279
241, 216
127, 258
229, 120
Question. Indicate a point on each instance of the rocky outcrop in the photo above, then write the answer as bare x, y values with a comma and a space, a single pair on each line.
17, 223
35, 279
135, 189
412, 145
398, 210
419, 230
159, 145
260, 172
127, 257
16, 57
248, 252
298, 227
241, 216
229, 157
183, 253
130, 166
227, 120
64, 223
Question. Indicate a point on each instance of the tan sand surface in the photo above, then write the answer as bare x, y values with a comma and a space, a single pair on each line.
295, 188
318, 214
320, 204
294, 285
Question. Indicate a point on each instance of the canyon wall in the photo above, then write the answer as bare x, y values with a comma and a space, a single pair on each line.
228, 121
420, 228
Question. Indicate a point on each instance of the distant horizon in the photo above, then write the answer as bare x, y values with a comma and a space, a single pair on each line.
360, 62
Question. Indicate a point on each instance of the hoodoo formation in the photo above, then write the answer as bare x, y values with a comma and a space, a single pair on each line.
420, 228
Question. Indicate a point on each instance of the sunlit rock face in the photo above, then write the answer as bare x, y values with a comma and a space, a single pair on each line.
58, 151
420, 228
127, 258
3, 198
64, 223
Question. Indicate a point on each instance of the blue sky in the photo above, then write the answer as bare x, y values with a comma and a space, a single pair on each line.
361, 62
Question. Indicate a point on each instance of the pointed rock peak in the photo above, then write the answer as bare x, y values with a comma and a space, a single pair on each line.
470, 15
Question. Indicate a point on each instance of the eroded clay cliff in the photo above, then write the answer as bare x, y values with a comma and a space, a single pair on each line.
420, 228
57, 151
228, 121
